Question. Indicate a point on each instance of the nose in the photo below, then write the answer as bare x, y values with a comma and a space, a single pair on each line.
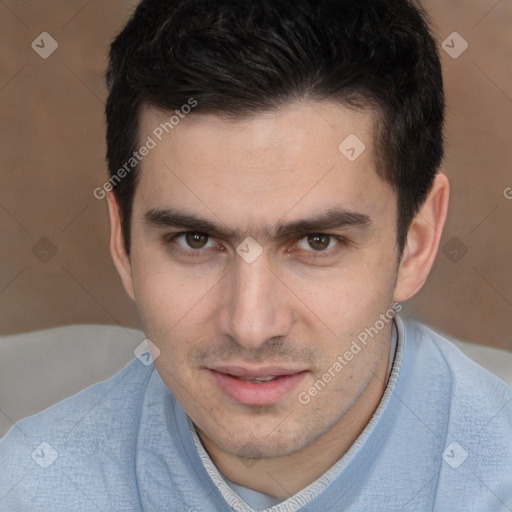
256, 307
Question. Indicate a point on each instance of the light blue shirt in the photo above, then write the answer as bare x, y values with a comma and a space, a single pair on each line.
441, 439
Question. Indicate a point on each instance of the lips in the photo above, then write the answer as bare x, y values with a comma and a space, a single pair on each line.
256, 373
256, 386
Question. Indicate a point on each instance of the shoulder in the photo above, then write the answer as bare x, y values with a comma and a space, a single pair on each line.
475, 454
466, 376
70, 447
109, 401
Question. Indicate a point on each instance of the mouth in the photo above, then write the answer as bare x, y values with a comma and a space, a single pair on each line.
261, 386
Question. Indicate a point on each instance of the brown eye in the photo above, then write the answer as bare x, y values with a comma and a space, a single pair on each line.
191, 244
319, 242
319, 245
196, 240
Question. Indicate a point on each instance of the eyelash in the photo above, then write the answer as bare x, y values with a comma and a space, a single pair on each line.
313, 255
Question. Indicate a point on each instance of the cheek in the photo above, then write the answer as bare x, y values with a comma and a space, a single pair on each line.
349, 298
169, 302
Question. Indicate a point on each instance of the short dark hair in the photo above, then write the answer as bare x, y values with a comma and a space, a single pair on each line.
239, 57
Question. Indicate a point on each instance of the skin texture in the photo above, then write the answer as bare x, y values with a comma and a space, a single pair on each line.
299, 305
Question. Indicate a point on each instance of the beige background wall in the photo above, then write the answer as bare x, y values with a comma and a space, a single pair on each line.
55, 268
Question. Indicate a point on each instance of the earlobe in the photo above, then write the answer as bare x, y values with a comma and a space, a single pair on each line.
117, 246
423, 240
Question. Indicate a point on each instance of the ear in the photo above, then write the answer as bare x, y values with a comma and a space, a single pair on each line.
423, 240
117, 246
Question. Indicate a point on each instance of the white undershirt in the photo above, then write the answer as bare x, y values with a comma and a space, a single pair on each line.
258, 500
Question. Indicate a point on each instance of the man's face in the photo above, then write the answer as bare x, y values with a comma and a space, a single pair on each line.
223, 319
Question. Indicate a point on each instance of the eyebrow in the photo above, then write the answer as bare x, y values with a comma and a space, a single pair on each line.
334, 218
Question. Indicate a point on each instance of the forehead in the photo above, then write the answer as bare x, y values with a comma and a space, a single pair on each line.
300, 158
277, 137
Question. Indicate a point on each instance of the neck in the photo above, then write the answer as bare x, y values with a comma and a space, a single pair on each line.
283, 477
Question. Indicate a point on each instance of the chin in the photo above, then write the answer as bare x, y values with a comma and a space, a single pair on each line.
265, 443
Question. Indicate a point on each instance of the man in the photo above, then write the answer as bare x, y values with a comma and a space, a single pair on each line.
274, 195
